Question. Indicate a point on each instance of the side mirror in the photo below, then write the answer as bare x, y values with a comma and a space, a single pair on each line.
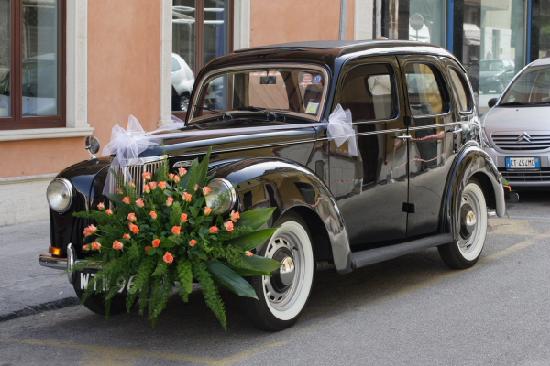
92, 145
492, 102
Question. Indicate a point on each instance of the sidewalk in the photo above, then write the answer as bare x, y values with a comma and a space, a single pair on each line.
25, 286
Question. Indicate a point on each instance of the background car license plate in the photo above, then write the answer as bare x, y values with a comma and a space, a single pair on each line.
522, 162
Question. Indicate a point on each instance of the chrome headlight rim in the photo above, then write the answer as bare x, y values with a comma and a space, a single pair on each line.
221, 186
69, 189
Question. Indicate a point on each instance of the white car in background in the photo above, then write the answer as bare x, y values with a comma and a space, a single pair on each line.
517, 128
182, 83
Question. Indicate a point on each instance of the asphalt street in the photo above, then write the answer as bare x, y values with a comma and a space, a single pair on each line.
408, 311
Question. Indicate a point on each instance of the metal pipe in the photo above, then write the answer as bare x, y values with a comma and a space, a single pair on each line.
343, 19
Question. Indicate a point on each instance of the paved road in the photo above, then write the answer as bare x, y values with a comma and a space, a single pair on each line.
409, 311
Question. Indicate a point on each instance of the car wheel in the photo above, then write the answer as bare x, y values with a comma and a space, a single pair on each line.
96, 303
472, 223
283, 295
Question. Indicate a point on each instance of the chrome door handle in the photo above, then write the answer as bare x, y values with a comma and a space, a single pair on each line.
405, 137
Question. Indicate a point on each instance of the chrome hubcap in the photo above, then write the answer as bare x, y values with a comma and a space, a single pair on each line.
469, 218
282, 285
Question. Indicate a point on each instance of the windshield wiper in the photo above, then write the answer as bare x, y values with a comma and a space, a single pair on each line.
513, 104
269, 114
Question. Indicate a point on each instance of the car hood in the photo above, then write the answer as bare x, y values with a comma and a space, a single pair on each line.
524, 119
273, 138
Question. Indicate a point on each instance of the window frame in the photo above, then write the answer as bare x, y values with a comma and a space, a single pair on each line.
442, 84
199, 40
464, 83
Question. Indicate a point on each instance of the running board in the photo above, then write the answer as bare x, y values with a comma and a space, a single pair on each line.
377, 255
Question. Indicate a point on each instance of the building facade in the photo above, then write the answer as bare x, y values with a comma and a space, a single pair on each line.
72, 68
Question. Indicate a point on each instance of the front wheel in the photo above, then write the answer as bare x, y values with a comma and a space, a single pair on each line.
283, 295
472, 224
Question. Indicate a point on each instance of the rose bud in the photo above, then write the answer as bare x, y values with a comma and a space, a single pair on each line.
229, 226
207, 211
235, 216
133, 228
153, 215
126, 236
187, 197
182, 172
96, 245
206, 191
101, 206
192, 243
140, 203
169, 201
163, 185
147, 249
155, 243
176, 230
249, 253
176, 179
86, 247
168, 258
146, 188
108, 212
126, 200
89, 230
153, 185
146, 175
213, 230
183, 217
117, 245
131, 217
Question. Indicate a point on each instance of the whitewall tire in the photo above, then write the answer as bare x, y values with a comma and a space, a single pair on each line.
283, 295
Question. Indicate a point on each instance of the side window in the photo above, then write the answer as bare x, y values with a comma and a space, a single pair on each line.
369, 92
425, 88
461, 92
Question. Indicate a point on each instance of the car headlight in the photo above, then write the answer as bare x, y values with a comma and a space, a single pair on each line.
60, 194
222, 197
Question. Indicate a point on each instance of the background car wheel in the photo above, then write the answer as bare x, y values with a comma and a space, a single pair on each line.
283, 295
96, 303
472, 224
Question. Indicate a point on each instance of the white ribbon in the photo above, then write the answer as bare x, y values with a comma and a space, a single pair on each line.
127, 144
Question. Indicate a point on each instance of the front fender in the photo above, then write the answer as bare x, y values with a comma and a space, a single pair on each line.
471, 162
269, 182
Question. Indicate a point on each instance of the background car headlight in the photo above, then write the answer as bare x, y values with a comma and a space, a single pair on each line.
223, 195
60, 194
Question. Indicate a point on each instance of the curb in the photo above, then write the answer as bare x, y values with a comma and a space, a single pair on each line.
32, 310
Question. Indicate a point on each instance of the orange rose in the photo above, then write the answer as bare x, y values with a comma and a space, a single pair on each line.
249, 253
126, 236
86, 247
169, 201
183, 217
146, 175
133, 228
235, 216
163, 185
96, 245
126, 200
213, 230
155, 243
168, 258
131, 217
207, 211
89, 230
206, 191
187, 197
146, 188
176, 230
101, 206
229, 226
192, 243
176, 179
108, 212
140, 203
153, 215
153, 185
117, 245
182, 172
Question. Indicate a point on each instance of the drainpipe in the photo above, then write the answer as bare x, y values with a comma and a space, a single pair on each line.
343, 19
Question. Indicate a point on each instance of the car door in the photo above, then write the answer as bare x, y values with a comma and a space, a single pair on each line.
431, 140
370, 188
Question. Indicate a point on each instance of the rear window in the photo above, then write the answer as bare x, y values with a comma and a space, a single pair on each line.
425, 90
460, 92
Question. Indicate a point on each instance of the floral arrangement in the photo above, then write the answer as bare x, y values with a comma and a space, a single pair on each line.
169, 237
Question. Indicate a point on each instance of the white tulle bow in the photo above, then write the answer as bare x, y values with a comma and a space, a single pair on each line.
340, 129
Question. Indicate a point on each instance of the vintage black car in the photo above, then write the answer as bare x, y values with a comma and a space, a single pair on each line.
418, 180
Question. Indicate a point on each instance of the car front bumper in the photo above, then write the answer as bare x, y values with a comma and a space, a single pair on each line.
47, 260
522, 177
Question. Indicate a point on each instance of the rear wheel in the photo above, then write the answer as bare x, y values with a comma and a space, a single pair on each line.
283, 295
472, 224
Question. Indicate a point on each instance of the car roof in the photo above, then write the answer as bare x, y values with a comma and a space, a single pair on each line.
326, 52
540, 62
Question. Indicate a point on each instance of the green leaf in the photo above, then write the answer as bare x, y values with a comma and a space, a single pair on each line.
252, 240
175, 214
185, 277
210, 292
254, 265
256, 218
231, 280
161, 270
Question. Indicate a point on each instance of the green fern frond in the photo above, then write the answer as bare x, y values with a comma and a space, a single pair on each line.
185, 278
210, 292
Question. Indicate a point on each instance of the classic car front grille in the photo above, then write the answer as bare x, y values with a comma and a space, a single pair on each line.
515, 142
134, 173
512, 176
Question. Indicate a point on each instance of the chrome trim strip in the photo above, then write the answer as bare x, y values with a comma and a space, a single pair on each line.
47, 260
281, 65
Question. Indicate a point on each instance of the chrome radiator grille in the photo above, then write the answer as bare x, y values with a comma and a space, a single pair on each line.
133, 173
516, 142
542, 175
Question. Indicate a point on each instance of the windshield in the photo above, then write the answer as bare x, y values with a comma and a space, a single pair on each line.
530, 88
291, 90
